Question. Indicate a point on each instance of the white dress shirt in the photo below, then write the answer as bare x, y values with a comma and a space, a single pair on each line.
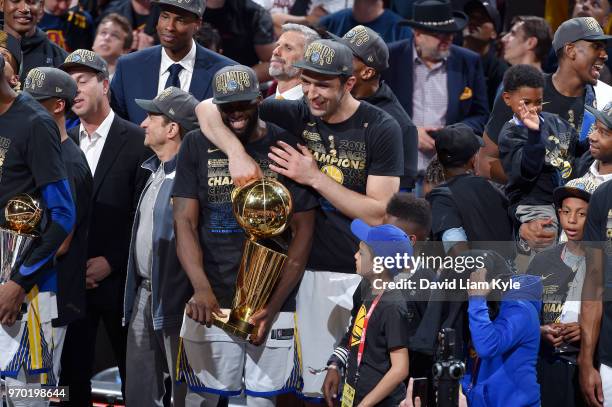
186, 73
92, 144
295, 93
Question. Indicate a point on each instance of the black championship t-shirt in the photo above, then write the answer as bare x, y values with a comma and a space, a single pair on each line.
30, 152
598, 232
72, 265
202, 173
570, 109
387, 330
368, 143
242, 24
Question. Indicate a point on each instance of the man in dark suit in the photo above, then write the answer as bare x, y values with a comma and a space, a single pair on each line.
178, 61
114, 150
436, 82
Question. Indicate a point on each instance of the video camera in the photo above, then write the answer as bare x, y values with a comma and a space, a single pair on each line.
447, 369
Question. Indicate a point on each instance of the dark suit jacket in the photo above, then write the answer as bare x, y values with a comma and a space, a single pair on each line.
464, 70
117, 184
137, 77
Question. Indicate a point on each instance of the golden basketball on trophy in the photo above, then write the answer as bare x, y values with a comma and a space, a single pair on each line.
263, 209
22, 214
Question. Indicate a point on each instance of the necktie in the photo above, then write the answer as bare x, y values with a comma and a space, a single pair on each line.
279, 97
173, 78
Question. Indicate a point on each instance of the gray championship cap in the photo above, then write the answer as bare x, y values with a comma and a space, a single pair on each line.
84, 58
604, 115
366, 45
576, 29
581, 188
46, 82
327, 57
196, 7
235, 83
178, 105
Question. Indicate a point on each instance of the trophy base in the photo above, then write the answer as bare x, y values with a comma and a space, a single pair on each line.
235, 327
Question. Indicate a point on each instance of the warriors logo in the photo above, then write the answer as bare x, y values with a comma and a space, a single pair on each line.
232, 81
164, 94
35, 79
358, 36
358, 326
333, 172
318, 53
81, 55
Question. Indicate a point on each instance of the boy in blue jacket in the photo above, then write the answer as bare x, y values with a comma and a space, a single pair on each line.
503, 373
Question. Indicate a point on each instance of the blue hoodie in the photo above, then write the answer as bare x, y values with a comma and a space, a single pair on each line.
507, 348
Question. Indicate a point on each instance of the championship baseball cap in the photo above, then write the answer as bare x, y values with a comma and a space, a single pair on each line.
235, 83
327, 57
47, 82
456, 144
384, 240
12, 45
366, 45
196, 7
579, 28
175, 103
604, 115
581, 188
85, 58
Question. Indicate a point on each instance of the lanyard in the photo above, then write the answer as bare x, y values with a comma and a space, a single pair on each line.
365, 327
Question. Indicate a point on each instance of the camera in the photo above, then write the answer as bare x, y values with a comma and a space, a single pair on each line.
448, 369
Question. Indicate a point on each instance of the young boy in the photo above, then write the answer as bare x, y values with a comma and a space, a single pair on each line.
537, 149
562, 269
377, 349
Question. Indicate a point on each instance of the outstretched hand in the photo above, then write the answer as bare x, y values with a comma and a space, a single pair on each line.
528, 116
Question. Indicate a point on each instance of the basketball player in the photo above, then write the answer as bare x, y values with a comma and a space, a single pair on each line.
209, 245
352, 157
31, 163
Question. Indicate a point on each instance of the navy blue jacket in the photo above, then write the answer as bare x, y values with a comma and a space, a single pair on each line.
467, 90
170, 287
137, 77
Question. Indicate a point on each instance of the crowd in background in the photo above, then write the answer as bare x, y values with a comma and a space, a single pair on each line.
483, 126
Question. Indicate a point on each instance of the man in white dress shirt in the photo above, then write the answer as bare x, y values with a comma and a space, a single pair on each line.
290, 49
178, 61
114, 150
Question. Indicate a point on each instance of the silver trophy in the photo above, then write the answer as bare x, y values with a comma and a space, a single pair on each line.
22, 214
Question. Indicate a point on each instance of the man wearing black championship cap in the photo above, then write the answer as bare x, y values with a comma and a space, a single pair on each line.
437, 83
114, 150
370, 59
209, 245
10, 48
32, 164
177, 61
56, 90
157, 288
351, 154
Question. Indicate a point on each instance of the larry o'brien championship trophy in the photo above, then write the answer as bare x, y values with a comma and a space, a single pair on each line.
263, 209
22, 214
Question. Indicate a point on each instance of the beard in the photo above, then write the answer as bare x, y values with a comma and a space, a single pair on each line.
284, 72
245, 133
